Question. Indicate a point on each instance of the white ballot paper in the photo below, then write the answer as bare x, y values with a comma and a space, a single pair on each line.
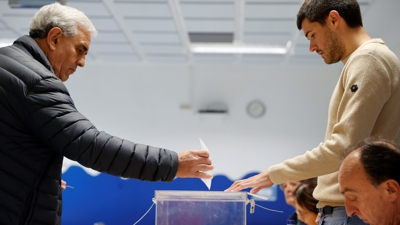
207, 182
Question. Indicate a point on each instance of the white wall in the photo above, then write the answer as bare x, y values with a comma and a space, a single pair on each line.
142, 103
382, 21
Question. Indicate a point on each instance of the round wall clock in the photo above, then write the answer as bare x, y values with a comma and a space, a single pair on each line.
256, 108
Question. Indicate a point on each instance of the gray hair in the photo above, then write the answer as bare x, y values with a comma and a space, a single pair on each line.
56, 15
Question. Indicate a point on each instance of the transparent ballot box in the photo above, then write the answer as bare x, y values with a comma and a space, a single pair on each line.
200, 208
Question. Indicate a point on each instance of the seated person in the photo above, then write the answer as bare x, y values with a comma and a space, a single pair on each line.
369, 179
288, 189
305, 203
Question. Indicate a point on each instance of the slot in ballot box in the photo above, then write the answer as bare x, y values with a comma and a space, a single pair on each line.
200, 208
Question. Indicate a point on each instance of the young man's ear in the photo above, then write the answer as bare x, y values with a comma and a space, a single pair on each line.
53, 37
333, 18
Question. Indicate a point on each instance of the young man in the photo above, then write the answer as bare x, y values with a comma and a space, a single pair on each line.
369, 179
39, 124
365, 102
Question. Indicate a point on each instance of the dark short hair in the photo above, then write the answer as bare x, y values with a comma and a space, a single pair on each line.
304, 195
381, 160
318, 11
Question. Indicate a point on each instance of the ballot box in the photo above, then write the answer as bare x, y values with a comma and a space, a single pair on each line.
200, 208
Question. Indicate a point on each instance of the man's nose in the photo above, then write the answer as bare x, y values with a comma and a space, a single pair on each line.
81, 61
351, 209
313, 47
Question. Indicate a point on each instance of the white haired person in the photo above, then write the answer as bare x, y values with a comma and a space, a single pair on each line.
39, 124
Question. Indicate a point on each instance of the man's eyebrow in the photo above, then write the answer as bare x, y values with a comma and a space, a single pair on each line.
307, 34
347, 190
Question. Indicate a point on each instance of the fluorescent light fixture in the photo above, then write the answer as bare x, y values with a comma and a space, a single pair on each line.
221, 48
6, 42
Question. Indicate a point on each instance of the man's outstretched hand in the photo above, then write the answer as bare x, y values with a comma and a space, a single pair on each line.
256, 182
194, 163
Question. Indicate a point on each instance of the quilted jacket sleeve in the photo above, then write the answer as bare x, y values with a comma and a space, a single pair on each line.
53, 117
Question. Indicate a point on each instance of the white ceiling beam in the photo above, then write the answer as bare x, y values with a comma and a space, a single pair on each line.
239, 26
292, 43
15, 30
179, 21
239, 21
125, 29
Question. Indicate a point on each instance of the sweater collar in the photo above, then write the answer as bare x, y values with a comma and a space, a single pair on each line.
373, 40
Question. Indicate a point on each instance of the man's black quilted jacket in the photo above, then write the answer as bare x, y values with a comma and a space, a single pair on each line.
39, 125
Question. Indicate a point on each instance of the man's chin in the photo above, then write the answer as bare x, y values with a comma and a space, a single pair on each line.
67, 76
329, 62
64, 78
364, 220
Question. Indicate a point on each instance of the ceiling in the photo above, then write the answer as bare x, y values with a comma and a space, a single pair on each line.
160, 31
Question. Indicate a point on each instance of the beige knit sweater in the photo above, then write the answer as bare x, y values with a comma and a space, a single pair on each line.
355, 113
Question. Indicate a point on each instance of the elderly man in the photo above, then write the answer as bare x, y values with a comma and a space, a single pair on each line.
39, 124
369, 179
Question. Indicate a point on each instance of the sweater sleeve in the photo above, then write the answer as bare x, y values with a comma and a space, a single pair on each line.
362, 90
54, 118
